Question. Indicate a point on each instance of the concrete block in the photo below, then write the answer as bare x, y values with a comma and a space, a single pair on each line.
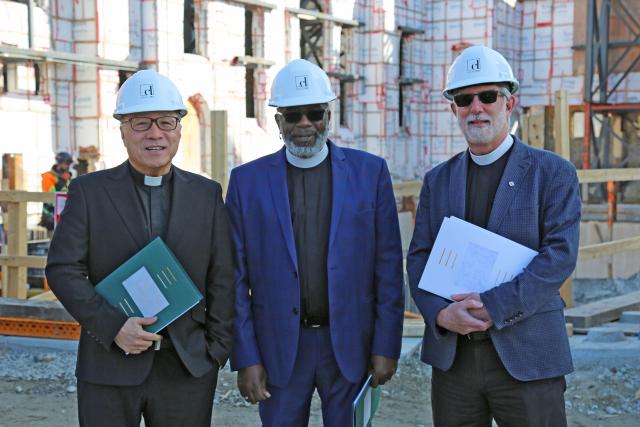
604, 335
413, 328
46, 310
630, 317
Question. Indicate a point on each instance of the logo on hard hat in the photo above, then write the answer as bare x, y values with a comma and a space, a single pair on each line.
146, 90
473, 65
302, 82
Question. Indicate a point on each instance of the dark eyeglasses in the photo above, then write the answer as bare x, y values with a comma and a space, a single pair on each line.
141, 124
296, 116
486, 97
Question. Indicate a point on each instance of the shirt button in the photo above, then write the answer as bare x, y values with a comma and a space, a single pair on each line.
295, 310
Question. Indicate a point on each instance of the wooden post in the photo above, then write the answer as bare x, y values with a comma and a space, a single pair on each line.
15, 285
219, 125
533, 128
12, 179
561, 125
563, 148
12, 171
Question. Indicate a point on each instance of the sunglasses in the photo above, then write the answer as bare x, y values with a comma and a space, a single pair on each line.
486, 97
295, 116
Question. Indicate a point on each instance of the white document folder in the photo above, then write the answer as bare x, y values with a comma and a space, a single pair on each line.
467, 258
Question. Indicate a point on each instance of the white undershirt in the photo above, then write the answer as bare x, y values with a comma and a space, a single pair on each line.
309, 162
487, 159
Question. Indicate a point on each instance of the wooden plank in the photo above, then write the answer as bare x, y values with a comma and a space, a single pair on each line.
566, 292
45, 296
587, 176
15, 285
26, 196
599, 312
561, 125
23, 261
411, 315
608, 248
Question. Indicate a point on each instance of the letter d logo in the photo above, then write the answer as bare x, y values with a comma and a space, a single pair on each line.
146, 90
302, 82
473, 65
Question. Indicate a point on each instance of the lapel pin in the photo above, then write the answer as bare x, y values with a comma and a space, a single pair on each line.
511, 183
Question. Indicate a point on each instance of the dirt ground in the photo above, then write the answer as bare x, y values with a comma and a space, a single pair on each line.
595, 397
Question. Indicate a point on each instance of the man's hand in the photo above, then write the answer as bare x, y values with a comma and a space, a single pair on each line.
252, 383
479, 313
382, 369
132, 339
457, 317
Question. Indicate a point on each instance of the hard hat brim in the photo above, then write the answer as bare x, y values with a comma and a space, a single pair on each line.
296, 102
477, 82
120, 114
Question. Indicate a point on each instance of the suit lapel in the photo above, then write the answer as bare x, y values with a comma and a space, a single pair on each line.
179, 216
339, 178
280, 196
458, 186
514, 173
122, 193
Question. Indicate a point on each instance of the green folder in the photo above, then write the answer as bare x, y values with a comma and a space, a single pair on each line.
176, 289
365, 404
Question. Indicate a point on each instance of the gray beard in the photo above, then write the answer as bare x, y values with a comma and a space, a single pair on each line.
307, 152
487, 135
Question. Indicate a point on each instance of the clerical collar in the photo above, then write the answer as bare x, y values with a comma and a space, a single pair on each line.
309, 162
487, 159
150, 181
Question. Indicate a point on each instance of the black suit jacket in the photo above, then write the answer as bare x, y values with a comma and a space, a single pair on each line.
103, 225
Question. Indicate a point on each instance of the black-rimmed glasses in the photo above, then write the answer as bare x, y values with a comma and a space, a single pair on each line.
486, 97
141, 124
295, 116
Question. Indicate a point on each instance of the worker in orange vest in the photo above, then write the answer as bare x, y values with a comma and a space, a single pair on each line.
55, 180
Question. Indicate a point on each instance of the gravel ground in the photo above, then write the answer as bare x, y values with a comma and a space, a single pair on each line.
37, 388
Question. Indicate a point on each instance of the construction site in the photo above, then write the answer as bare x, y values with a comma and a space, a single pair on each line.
578, 64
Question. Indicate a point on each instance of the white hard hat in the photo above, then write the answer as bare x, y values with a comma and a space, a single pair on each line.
300, 83
479, 65
148, 90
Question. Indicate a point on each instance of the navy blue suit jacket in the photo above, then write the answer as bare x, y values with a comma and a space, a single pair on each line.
364, 265
537, 204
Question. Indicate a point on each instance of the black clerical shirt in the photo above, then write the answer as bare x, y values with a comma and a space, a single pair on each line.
156, 202
482, 184
310, 204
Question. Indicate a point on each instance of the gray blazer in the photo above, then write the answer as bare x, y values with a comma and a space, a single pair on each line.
103, 225
537, 204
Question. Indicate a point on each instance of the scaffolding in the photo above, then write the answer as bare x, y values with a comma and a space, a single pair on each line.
603, 78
